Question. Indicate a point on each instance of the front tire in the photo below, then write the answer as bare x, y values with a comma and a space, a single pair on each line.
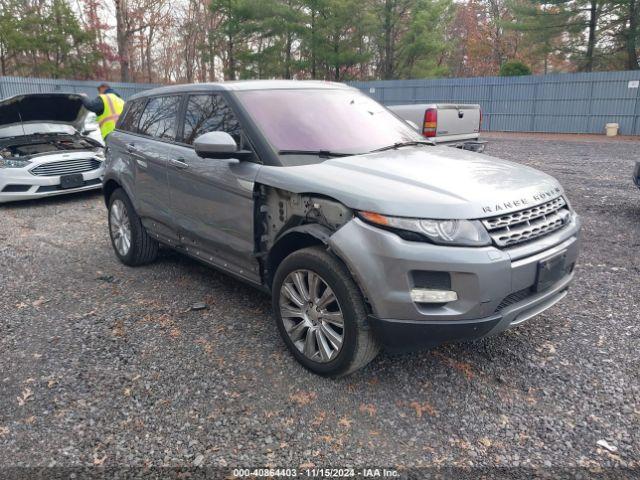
321, 315
131, 242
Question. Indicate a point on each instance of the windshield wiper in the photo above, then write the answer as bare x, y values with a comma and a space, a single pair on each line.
403, 144
319, 153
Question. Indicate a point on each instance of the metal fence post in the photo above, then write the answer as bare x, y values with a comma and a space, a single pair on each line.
491, 113
636, 114
534, 108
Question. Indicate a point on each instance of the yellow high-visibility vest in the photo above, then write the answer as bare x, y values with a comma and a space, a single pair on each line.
113, 106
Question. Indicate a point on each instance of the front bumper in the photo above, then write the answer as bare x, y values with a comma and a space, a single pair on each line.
494, 286
19, 184
408, 335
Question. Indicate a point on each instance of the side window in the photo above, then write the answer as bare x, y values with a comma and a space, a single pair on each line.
160, 117
209, 113
129, 121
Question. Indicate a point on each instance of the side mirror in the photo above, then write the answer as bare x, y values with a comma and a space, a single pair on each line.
218, 145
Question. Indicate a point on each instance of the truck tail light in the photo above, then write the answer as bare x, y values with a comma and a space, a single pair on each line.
430, 122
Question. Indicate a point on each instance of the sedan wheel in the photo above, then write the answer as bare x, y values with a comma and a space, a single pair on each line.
312, 315
120, 227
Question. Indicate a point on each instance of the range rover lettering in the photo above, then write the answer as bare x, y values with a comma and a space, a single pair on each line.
365, 233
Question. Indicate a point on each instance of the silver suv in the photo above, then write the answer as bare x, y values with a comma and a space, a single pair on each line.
365, 234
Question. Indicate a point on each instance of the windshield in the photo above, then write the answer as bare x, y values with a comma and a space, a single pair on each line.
323, 120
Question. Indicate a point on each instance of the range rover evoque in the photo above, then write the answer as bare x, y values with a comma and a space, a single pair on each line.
365, 234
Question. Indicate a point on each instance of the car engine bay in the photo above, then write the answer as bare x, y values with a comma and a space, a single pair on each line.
34, 145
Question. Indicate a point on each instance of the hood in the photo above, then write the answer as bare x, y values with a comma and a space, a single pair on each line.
423, 182
43, 108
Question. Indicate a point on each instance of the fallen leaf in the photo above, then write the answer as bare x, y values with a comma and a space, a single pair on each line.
174, 332
345, 422
99, 461
21, 305
118, 328
30, 420
307, 465
463, 367
320, 416
421, 408
52, 383
368, 408
27, 394
4, 431
38, 302
504, 420
485, 441
302, 398
550, 348
127, 392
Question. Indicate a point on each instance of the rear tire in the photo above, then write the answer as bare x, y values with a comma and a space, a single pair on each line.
313, 294
131, 242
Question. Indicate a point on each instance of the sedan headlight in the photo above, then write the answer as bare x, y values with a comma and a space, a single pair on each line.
468, 233
13, 163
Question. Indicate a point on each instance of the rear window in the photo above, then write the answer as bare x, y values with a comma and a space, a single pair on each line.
131, 118
160, 117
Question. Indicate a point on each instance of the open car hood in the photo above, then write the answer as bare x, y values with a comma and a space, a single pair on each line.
43, 108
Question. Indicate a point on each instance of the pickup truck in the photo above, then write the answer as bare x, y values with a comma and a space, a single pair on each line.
445, 123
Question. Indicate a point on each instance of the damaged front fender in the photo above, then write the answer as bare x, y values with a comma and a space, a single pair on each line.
288, 221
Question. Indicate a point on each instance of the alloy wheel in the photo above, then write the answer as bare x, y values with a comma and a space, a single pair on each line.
312, 315
120, 227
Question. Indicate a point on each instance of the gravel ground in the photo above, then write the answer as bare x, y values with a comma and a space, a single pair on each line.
102, 364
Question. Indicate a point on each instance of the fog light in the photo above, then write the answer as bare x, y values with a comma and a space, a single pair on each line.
426, 295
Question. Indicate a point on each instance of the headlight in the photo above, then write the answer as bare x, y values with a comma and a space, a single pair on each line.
13, 163
468, 233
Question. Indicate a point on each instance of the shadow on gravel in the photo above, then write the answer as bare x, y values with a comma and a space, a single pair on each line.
191, 266
61, 200
466, 360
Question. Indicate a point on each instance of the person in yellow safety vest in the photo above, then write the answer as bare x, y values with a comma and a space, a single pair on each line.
107, 106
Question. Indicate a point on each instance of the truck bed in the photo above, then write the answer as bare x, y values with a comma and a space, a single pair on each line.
455, 122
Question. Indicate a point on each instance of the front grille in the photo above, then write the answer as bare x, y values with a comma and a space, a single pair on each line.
66, 167
528, 224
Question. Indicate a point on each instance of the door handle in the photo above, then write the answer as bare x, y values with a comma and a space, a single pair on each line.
178, 163
131, 149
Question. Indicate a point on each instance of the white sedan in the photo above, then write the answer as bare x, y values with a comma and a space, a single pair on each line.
49, 145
